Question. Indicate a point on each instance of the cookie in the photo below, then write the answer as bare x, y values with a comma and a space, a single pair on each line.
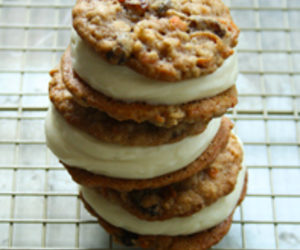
106, 129
163, 39
188, 196
200, 241
160, 115
91, 180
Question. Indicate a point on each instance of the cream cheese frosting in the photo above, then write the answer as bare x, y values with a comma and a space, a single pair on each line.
204, 219
122, 83
79, 149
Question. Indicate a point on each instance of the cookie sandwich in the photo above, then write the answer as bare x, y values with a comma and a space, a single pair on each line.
136, 118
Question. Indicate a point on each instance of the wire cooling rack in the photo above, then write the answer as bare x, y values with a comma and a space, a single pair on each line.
39, 205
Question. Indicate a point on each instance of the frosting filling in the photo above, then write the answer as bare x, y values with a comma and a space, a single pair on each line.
121, 82
204, 219
78, 149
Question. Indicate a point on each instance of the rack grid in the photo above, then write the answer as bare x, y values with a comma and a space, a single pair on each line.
40, 208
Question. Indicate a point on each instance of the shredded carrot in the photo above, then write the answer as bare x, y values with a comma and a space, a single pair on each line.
231, 26
202, 62
177, 23
213, 172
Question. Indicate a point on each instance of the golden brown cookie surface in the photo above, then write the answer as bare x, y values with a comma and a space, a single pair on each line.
168, 40
91, 180
198, 241
160, 115
188, 196
106, 129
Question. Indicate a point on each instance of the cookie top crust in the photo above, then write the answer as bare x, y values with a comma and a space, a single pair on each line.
168, 40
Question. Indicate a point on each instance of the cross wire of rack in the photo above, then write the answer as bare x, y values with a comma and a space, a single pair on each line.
40, 208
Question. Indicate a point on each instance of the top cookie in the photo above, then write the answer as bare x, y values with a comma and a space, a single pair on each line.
169, 40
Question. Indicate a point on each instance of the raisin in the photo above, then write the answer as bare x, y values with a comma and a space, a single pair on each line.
127, 238
152, 211
207, 24
116, 56
161, 6
146, 201
138, 7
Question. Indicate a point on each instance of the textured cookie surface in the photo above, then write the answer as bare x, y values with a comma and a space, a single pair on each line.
199, 241
186, 197
168, 40
160, 115
106, 129
91, 180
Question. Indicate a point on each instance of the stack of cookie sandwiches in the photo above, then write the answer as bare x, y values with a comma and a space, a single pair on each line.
137, 119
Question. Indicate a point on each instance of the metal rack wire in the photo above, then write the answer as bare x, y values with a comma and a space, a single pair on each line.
40, 208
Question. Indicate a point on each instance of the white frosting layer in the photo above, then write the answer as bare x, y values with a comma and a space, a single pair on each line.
202, 220
120, 82
79, 149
